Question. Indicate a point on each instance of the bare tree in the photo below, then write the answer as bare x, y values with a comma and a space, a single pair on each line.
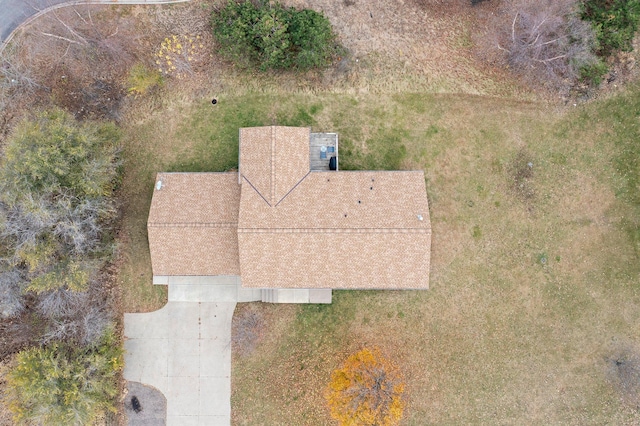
15, 74
61, 303
80, 317
548, 41
41, 228
80, 57
18, 86
79, 224
11, 300
246, 330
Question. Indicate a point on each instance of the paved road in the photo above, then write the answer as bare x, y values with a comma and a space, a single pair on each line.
13, 13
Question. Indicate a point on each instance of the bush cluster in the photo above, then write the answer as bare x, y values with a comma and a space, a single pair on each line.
56, 179
615, 23
65, 385
274, 37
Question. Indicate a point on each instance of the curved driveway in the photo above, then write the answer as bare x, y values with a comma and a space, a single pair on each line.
15, 12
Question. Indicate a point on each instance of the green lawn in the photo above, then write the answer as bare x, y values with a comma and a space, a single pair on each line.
536, 237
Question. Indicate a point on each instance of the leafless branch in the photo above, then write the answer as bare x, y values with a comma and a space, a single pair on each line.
60, 38
548, 41
551, 59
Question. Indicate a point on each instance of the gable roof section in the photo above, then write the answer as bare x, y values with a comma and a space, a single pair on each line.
338, 260
338, 230
193, 224
343, 200
274, 159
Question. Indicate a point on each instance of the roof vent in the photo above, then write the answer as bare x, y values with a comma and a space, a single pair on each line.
159, 185
420, 217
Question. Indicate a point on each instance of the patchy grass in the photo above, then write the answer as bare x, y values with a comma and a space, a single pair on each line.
534, 268
534, 260
527, 291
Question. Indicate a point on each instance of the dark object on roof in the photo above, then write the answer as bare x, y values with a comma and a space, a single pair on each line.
333, 163
135, 404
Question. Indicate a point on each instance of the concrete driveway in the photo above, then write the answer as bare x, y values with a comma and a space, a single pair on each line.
184, 351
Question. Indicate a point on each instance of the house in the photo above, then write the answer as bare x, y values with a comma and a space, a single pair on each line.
286, 227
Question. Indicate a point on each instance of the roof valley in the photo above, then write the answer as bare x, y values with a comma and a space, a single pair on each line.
292, 189
256, 189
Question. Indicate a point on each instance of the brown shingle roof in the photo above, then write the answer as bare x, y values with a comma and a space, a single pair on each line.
195, 198
193, 224
338, 230
286, 227
340, 260
191, 250
371, 199
274, 159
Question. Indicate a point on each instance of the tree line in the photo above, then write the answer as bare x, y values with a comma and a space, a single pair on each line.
57, 178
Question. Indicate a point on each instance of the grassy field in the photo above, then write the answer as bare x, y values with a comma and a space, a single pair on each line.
533, 311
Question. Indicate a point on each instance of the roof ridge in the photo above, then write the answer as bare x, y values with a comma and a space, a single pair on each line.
273, 165
420, 230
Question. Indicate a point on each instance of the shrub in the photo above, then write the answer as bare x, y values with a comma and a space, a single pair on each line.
592, 74
367, 390
142, 79
615, 23
179, 54
274, 37
52, 154
65, 385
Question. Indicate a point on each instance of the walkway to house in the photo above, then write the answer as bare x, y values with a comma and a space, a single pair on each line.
184, 351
